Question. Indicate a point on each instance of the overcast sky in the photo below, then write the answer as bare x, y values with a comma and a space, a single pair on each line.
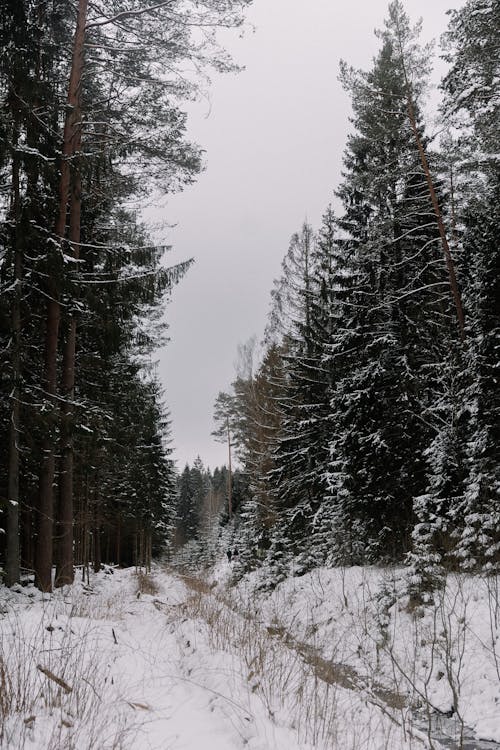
274, 137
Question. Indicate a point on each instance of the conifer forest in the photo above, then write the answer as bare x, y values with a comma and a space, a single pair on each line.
364, 428
366, 425
332, 580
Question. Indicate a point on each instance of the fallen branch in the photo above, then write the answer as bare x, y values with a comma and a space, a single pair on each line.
64, 685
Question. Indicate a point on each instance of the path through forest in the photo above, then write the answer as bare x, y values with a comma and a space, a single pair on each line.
171, 662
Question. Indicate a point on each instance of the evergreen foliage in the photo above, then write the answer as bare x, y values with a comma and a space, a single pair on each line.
398, 318
369, 430
91, 119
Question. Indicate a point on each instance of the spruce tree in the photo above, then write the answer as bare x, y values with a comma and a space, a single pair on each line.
478, 520
396, 323
458, 520
294, 477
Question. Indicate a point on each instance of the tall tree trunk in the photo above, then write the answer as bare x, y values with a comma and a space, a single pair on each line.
44, 541
97, 536
85, 522
230, 474
64, 570
107, 554
27, 534
457, 299
13, 571
118, 540
149, 545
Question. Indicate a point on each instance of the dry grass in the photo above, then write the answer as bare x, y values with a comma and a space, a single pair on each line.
52, 668
292, 675
146, 584
5, 695
93, 606
287, 676
196, 584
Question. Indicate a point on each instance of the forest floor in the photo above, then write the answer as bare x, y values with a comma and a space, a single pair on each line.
335, 659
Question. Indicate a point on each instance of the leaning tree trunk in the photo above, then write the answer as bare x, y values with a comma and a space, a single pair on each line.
44, 541
457, 299
410, 106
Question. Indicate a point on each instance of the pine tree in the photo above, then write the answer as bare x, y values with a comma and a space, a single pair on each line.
260, 411
122, 135
118, 399
30, 69
306, 419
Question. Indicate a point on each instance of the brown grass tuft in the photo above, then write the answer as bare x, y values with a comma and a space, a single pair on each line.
146, 584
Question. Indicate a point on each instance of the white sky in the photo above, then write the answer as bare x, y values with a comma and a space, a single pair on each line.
274, 138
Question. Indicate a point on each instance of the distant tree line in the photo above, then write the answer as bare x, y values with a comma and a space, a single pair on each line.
91, 124
369, 427
202, 529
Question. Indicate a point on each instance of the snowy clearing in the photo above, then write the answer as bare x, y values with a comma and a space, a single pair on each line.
160, 662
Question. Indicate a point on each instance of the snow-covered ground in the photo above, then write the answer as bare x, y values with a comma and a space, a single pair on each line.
122, 671
329, 660
443, 660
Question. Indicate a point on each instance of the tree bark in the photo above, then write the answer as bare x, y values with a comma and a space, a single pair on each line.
97, 535
118, 540
44, 541
64, 570
85, 522
12, 567
230, 476
149, 550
